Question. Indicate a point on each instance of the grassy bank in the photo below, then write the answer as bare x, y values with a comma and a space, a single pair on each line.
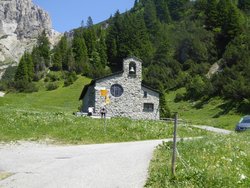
67, 128
63, 99
215, 161
214, 112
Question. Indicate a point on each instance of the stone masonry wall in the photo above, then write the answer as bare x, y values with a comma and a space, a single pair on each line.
130, 103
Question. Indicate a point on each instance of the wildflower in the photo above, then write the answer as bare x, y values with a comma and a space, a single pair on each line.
242, 153
242, 177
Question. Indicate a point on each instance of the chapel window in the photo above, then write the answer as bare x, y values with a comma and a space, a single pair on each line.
116, 90
148, 107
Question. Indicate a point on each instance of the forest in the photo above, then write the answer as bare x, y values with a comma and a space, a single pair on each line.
177, 40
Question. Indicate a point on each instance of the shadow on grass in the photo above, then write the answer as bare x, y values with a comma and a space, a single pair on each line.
201, 103
241, 107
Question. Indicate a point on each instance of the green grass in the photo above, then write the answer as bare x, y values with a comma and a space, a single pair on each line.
66, 128
49, 115
64, 99
214, 112
214, 161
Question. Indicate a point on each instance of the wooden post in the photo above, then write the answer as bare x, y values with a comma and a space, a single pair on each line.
174, 144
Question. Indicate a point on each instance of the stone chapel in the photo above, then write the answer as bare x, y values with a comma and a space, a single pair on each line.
122, 93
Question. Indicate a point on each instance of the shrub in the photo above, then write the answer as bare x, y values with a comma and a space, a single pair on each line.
9, 73
23, 86
52, 86
46, 79
178, 97
52, 77
3, 86
70, 78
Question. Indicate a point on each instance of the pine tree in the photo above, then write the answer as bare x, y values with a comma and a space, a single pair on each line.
80, 53
113, 41
22, 70
112, 51
244, 5
96, 64
82, 24
234, 23
89, 22
150, 16
90, 40
223, 10
43, 46
57, 60
62, 48
102, 50
30, 66
164, 109
211, 15
176, 8
70, 60
163, 11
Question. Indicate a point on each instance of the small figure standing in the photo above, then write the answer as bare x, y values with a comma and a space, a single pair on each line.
90, 111
103, 112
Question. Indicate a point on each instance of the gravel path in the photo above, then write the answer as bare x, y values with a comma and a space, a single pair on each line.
213, 129
101, 165
115, 165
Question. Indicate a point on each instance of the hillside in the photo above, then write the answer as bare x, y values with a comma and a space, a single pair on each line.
214, 112
178, 42
63, 99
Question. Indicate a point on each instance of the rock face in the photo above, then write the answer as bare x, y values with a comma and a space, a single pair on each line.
20, 23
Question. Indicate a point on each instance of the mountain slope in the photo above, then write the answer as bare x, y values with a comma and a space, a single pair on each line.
20, 23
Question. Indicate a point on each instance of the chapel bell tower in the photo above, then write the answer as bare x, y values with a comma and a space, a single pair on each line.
133, 68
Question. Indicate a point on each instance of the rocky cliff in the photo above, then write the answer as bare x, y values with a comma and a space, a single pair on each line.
20, 23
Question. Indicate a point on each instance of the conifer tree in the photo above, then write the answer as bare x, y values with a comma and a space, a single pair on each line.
223, 11
244, 5
25, 68
90, 40
70, 60
57, 60
162, 11
211, 15
150, 16
112, 51
30, 66
176, 8
102, 50
21, 72
80, 53
164, 109
62, 48
112, 40
43, 46
233, 24
89, 22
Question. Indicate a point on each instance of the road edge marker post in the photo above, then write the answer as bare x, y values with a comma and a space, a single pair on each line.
174, 144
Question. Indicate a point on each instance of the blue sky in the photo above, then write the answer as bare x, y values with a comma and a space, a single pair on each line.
68, 14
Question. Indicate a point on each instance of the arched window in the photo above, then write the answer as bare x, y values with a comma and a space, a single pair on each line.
132, 68
116, 90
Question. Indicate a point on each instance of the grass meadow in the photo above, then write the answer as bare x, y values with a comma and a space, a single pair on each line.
213, 112
48, 115
214, 161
